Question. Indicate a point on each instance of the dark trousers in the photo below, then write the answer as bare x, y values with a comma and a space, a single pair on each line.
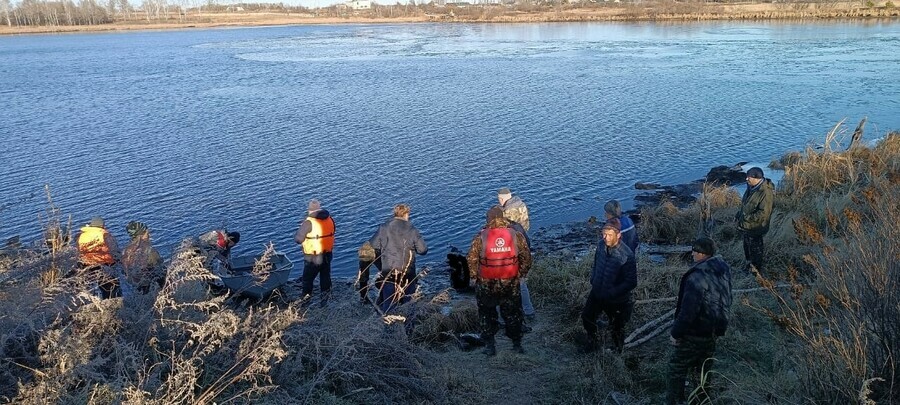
107, 284
317, 265
618, 313
508, 297
754, 250
362, 281
395, 289
693, 354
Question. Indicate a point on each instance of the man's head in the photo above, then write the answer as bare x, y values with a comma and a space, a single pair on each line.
401, 211
703, 249
503, 195
97, 222
611, 232
755, 176
612, 209
494, 213
136, 229
314, 205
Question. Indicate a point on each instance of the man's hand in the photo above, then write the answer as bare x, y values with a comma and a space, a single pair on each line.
673, 341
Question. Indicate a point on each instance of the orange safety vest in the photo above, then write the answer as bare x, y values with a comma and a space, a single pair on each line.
499, 256
321, 238
92, 247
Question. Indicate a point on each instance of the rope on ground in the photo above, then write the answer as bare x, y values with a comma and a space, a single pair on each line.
664, 322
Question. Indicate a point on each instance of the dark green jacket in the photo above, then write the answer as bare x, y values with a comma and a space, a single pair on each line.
756, 208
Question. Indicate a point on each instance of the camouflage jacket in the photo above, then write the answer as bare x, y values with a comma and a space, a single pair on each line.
515, 210
704, 300
756, 208
474, 259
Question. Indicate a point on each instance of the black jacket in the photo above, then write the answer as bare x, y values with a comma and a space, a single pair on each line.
704, 300
398, 241
614, 274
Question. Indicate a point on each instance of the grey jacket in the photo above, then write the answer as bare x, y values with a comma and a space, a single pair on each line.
399, 242
515, 210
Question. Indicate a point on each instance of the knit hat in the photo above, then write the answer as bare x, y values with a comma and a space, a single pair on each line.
494, 213
314, 205
97, 222
504, 191
612, 223
135, 229
705, 246
755, 173
234, 237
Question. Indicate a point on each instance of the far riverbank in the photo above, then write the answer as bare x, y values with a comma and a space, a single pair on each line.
655, 11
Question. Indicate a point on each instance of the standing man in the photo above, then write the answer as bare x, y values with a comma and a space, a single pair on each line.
316, 236
98, 251
399, 242
701, 316
754, 216
497, 259
515, 210
613, 277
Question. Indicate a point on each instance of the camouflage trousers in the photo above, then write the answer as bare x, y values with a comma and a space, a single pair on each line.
507, 296
755, 250
692, 355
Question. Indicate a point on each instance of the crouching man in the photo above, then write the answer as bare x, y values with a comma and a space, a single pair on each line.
498, 258
701, 316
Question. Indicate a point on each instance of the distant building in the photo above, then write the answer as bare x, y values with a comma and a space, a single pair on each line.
360, 4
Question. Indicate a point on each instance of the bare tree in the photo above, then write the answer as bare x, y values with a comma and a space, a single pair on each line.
5, 8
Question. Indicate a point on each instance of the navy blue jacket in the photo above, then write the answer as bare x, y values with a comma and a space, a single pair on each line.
704, 300
614, 274
398, 241
629, 233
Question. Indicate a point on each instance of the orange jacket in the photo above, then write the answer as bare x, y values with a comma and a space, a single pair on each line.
320, 238
96, 246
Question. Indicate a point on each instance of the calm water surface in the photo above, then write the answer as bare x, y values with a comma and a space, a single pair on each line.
191, 130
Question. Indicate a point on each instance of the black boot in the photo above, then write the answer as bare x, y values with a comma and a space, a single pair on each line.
517, 347
490, 347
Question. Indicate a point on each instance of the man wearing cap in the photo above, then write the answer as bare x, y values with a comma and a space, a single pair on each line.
399, 242
140, 260
497, 259
613, 277
701, 316
218, 244
515, 210
316, 236
97, 248
754, 216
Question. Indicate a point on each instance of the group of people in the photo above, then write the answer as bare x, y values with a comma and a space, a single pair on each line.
498, 260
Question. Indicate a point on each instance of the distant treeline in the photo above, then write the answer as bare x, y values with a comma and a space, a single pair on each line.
92, 12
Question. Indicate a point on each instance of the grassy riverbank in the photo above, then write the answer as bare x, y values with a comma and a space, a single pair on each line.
642, 11
819, 326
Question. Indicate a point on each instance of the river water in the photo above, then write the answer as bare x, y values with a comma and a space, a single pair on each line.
239, 128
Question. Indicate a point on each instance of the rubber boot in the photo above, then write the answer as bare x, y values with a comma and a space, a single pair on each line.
517, 347
490, 347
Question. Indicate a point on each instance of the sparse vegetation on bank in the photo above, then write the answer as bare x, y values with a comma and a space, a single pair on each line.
823, 327
42, 16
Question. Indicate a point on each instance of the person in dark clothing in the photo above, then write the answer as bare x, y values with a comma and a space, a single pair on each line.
399, 242
613, 209
613, 277
497, 259
459, 269
316, 236
217, 244
368, 257
701, 316
754, 216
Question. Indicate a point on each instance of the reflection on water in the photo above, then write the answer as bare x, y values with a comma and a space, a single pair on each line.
190, 130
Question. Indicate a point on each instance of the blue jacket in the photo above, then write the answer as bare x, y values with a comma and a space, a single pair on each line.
398, 241
629, 233
704, 300
614, 274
